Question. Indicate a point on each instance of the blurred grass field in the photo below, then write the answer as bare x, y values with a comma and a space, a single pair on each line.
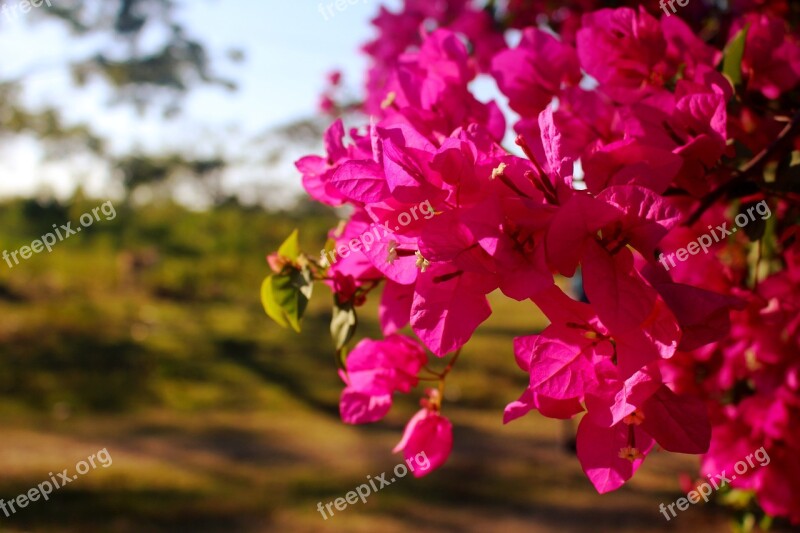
144, 335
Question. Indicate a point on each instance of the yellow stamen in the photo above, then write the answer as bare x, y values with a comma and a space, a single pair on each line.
635, 418
390, 258
630, 453
496, 173
389, 100
422, 263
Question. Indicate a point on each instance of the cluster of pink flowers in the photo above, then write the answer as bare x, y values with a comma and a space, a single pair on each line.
751, 381
635, 136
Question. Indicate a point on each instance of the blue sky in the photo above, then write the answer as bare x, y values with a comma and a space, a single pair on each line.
289, 47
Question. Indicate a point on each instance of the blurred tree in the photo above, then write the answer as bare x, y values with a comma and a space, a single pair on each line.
161, 175
157, 74
141, 75
147, 57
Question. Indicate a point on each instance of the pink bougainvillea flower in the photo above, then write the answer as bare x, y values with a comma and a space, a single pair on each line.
534, 72
374, 370
629, 131
430, 89
611, 455
771, 57
703, 316
573, 226
643, 326
395, 308
356, 407
345, 259
549, 407
406, 161
565, 360
430, 433
624, 50
448, 306
318, 171
631, 162
685, 49
360, 181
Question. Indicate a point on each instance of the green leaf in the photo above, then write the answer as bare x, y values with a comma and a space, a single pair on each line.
285, 296
271, 306
732, 57
290, 249
737, 498
343, 324
748, 523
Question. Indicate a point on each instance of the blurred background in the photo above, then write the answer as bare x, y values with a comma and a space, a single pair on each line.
144, 335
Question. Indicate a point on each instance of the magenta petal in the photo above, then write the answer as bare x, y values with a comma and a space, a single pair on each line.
357, 407
648, 216
519, 408
532, 74
562, 366
678, 423
523, 351
621, 297
704, 316
395, 308
406, 177
559, 409
575, 223
334, 141
598, 453
427, 442
360, 181
618, 399
382, 367
448, 307
549, 407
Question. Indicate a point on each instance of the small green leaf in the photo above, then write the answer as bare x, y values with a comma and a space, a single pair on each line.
290, 249
271, 306
737, 498
732, 57
285, 296
748, 523
343, 324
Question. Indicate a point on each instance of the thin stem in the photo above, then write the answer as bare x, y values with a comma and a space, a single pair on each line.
452, 363
746, 172
430, 370
758, 266
443, 375
314, 262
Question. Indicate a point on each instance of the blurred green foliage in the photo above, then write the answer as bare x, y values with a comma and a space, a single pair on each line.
131, 309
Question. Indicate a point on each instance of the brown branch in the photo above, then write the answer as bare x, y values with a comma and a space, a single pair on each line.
742, 175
